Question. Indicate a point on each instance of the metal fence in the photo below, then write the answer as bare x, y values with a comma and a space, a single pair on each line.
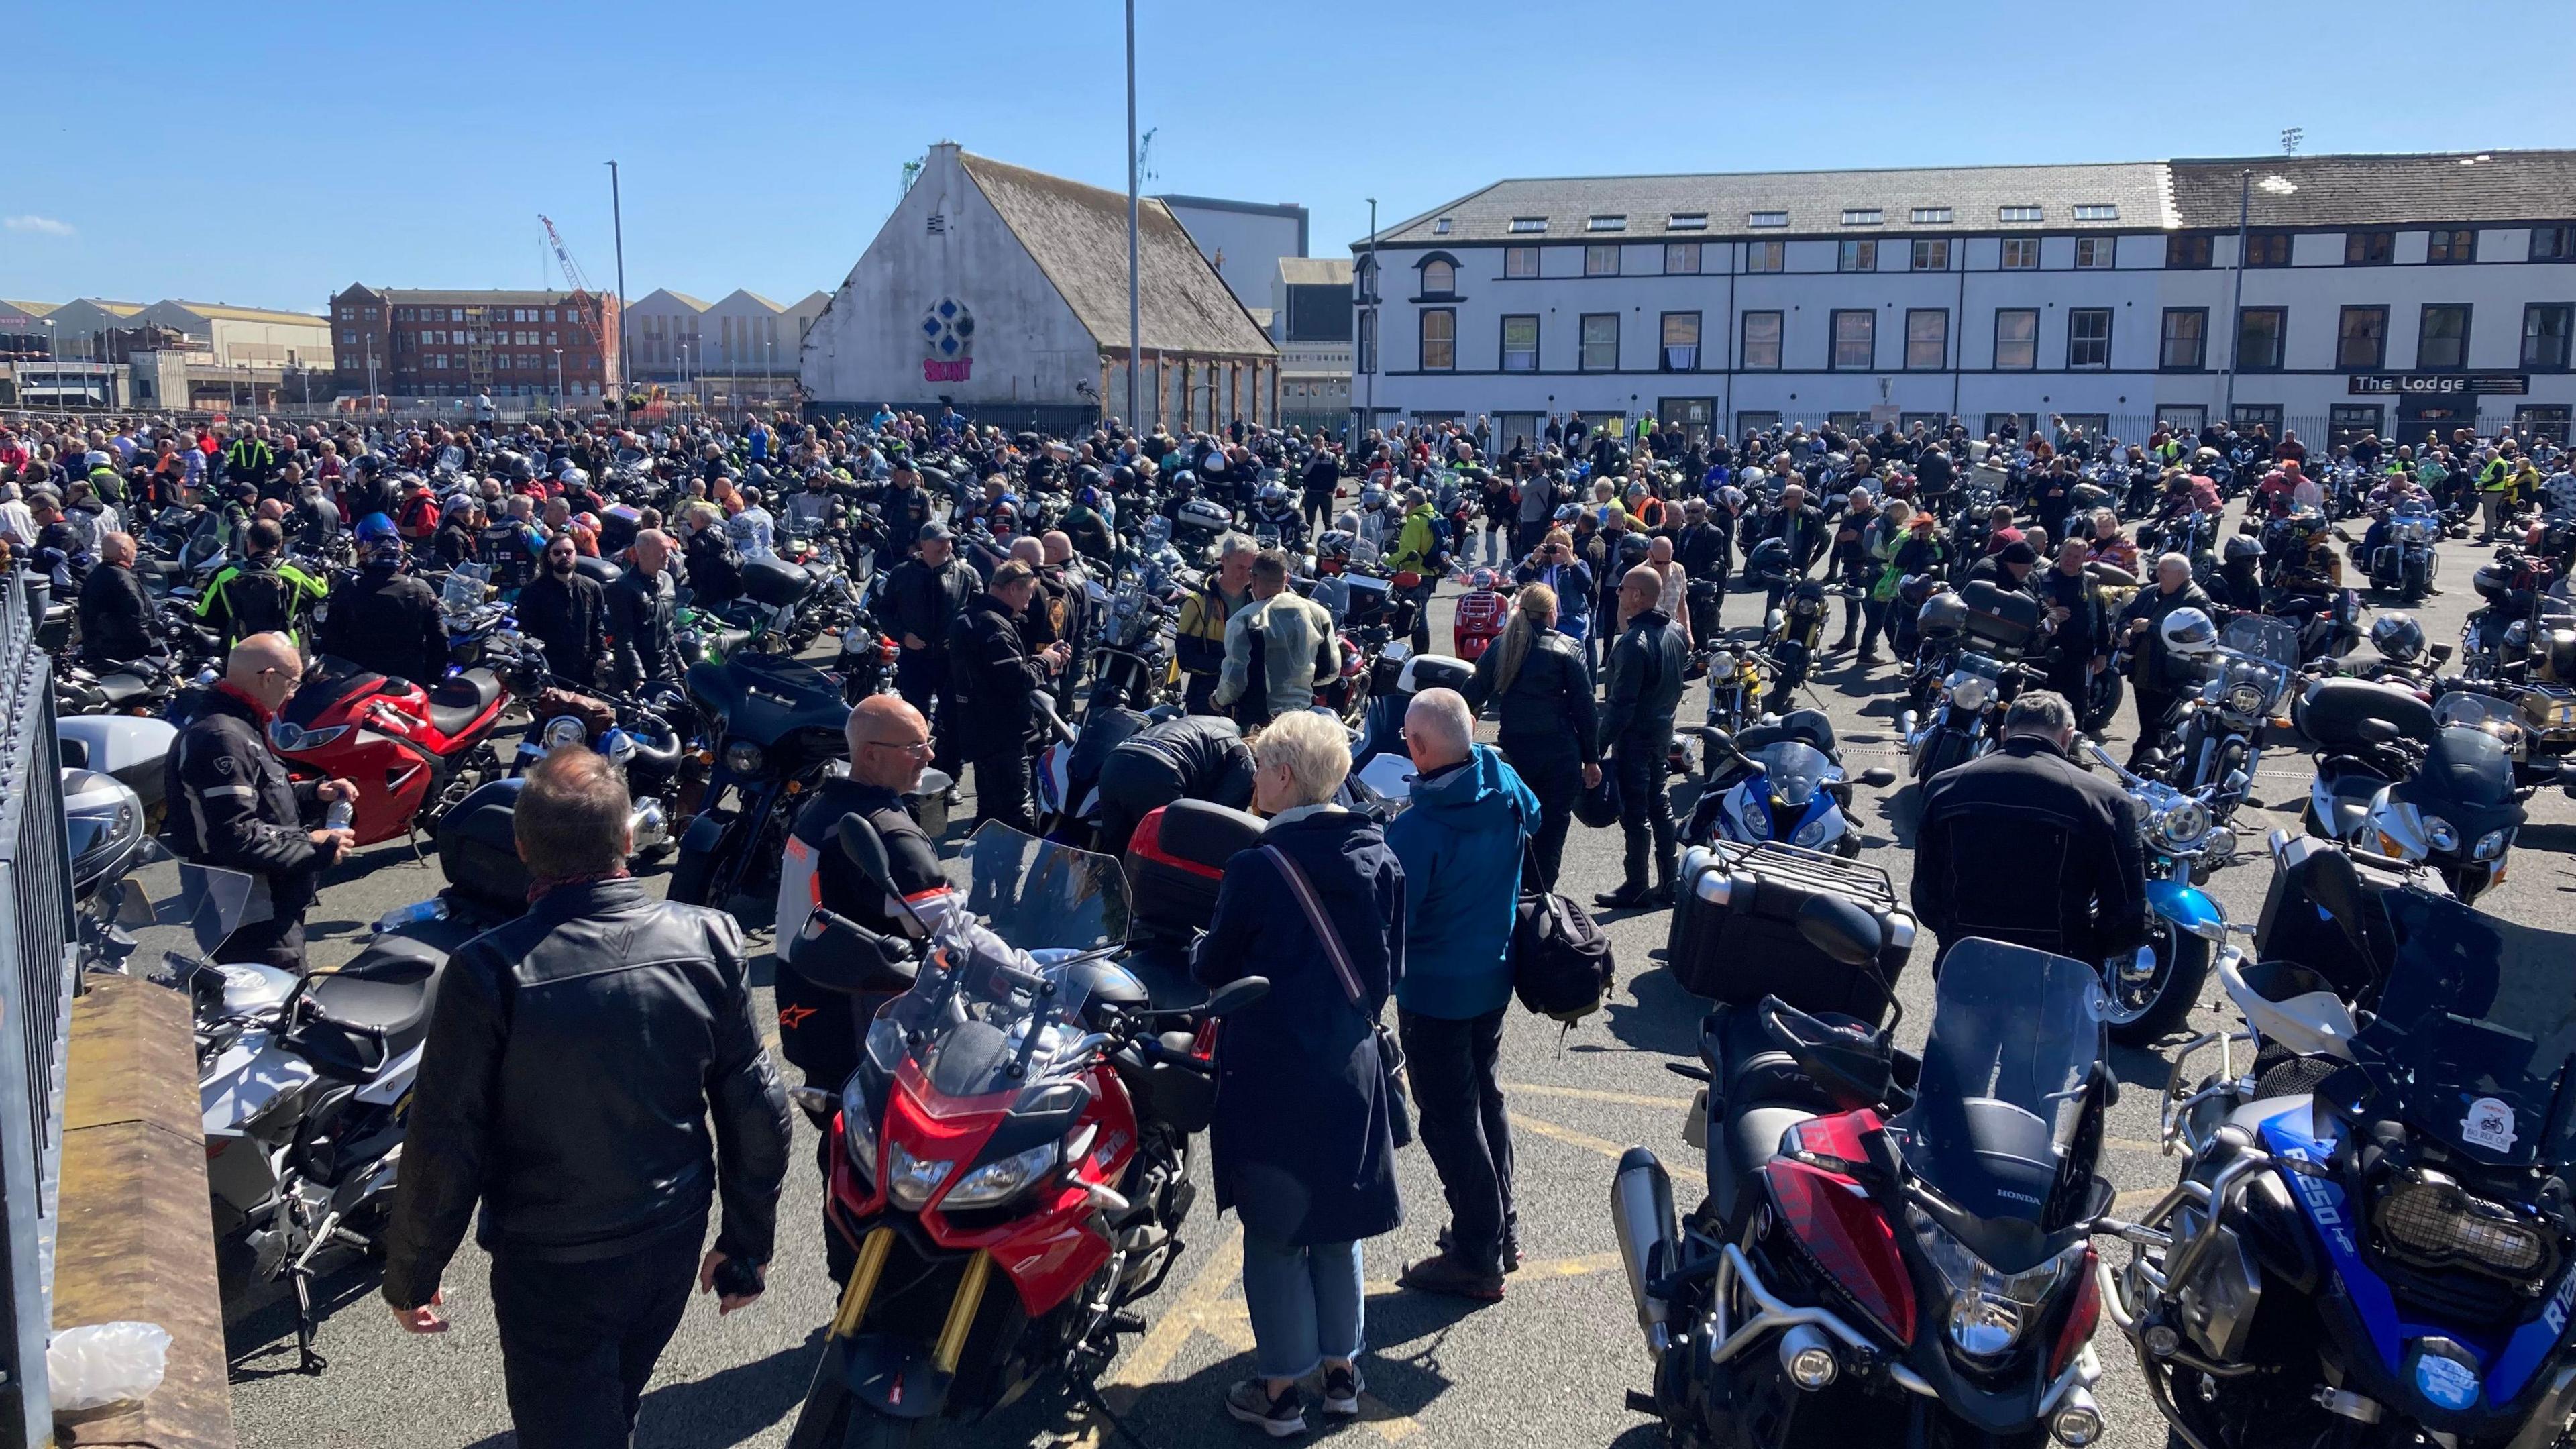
37, 980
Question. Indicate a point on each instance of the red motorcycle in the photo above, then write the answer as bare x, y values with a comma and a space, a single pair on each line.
412, 752
1010, 1163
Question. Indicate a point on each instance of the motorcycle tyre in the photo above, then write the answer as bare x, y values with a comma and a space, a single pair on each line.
1947, 748
691, 874
2182, 961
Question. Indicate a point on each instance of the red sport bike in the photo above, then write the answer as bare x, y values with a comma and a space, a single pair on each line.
1009, 1165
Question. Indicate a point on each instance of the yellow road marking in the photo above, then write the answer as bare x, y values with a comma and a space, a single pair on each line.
1590, 1143
1587, 1094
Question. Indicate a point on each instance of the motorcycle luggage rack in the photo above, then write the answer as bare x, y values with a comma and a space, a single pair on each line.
1867, 886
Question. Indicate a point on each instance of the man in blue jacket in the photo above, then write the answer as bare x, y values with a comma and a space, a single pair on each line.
1461, 844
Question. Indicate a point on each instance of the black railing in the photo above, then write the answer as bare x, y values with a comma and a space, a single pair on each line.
36, 979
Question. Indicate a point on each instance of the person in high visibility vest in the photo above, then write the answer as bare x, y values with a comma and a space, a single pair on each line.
2495, 490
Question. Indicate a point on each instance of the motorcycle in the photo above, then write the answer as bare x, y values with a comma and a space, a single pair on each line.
773, 728
1779, 780
636, 735
2404, 562
1893, 1249
1978, 634
2153, 990
2216, 734
2433, 784
1023, 1114
2371, 1245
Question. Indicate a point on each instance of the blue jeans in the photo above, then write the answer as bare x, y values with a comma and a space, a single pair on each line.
1307, 1304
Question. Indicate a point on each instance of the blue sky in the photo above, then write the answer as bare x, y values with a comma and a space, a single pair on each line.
278, 152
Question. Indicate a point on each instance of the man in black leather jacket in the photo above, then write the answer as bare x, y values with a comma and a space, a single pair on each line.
575, 1060
1194, 757
643, 612
923, 596
2023, 846
567, 612
115, 611
1646, 669
384, 619
994, 672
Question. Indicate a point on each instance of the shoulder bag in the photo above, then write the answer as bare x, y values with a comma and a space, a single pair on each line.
1390, 1055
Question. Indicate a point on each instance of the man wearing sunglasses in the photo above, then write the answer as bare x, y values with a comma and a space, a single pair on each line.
233, 805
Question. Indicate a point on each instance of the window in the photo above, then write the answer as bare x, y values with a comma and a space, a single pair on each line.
2346, 422
1681, 259
1863, 216
1368, 341
1440, 227
1439, 339
2544, 335
550, 339
1930, 216
1855, 339
402, 314
1766, 218
2021, 253
1606, 223
1520, 344
1933, 255
2369, 248
2088, 337
2259, 338
1681, 341
1520, 262
348, 339
2361, 338
2543, 420
1526, 224
348, 314
1927, 338
550, 313
2095, 253
2017, 215
1762, 341
1439, 277
2186, 339
1859, 256
1601, 259
1686, 221
1600, 342
2442, 338
439, 362
2553, 243
1765, 256
2186, 251
2267, 249
2016, 339
2452, 244
2096, 211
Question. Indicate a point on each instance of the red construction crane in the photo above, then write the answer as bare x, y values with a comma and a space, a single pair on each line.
581, 294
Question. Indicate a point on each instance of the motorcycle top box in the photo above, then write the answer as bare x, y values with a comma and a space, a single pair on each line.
2000, 618
2338, 708
775, 583
1735, 931
1176, 859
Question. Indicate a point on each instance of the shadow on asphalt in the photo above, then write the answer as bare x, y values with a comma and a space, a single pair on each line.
728, 1407
260, 1344
1654, 1014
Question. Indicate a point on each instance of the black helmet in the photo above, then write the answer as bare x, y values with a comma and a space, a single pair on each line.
1769, 560
2398, 637
2243, 546
1943, 613
2494, 583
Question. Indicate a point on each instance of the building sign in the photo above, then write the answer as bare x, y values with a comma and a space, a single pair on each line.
948, 339
2440, 384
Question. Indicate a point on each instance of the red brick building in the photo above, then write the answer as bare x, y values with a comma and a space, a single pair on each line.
404, 343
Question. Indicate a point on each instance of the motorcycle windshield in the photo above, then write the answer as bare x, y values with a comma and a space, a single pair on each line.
2474, 1032
983, 1020
1797, 771
213, 903
2260, 636
466, 585
1039, 895
2015, 1037
2414, 522
2478, 712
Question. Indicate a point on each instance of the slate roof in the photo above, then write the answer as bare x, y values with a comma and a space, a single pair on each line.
1813, 200
1077, 234
2380, 190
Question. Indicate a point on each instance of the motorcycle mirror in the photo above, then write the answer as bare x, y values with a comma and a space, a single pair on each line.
2112, 574
1717, 738
1840, 928
1878, 777
1237, 994
866, 850
2441, 654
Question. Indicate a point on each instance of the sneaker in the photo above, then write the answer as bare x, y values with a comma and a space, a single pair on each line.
1342, 1390
1447, 1276
1248, 1403
1511, 1250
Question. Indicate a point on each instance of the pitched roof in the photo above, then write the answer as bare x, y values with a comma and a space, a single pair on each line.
683, 298
2470, 186
32, 309
404, 296
1315, 271
225, 312
113, 309
1810, 203
750, 296
1077, 234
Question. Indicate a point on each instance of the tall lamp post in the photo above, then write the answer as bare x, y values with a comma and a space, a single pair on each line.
1368, 294
1135, 314
2236, 307
617, 223
559, 391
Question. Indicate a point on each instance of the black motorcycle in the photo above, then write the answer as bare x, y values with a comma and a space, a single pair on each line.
774, 726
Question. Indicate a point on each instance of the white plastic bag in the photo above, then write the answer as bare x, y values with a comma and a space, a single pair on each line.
99, 1364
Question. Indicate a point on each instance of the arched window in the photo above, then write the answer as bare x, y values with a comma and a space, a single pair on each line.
1439, 277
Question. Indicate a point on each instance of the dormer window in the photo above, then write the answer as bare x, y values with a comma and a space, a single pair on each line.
1687, 221
1863, 216
1606, 223
1760, 219
1440, 227
1526, 225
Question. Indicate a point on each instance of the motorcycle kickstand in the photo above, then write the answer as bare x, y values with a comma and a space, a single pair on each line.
411, 835
306, 1360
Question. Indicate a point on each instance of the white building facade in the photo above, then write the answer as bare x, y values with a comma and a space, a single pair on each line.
2390, 294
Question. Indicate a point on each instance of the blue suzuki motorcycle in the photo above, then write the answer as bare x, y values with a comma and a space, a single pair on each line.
2152, 989
1779, 780
2372, 1242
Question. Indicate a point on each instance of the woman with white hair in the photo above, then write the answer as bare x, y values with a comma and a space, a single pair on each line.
1302, 1145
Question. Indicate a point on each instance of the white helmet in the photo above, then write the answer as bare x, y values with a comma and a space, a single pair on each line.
2189, 634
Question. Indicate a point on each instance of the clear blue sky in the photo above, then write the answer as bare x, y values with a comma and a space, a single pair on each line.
277, 152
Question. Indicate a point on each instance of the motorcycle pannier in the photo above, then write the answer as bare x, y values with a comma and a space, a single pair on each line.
774, 583
2338, 708
1999, 617
1175, 860
479, 854
1735, 930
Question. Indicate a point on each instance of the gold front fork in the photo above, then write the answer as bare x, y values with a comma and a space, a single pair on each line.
863, 1282
961, 1312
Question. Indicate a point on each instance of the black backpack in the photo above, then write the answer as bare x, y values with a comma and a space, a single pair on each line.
1561, 961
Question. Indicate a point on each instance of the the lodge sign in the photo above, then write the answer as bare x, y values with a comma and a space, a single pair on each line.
2440, 384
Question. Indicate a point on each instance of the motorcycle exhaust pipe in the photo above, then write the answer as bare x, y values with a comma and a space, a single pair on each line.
1641, 1210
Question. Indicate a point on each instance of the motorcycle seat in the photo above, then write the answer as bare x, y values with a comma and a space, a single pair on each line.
398, 1009
460, 699
121, 689
1750, 1138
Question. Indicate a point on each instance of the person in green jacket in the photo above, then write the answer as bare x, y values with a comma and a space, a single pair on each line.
2495, 491
262, 594
1417, 548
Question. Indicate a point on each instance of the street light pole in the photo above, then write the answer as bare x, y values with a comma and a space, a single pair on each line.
1135, 313
559, 391
617, 222
2236, 308
1376, 342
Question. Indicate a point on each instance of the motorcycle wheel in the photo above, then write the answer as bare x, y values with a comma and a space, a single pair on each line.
2417, 585
2146, 1009
1945, 749
691, 875
871, 1430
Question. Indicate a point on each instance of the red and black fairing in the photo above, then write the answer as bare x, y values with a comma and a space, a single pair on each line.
402, 745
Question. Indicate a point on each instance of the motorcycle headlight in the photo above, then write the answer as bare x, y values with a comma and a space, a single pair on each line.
1969, 691
1810, 834
1988, 1310
911, 1180
858, 1132
2430, 1219
2245, 699
2492, 844
563, 731
998, 1182
1757, 817
2181, 825
2439, 834
742, 757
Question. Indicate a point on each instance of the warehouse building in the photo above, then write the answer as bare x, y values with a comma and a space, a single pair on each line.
1004, 291
2398, 294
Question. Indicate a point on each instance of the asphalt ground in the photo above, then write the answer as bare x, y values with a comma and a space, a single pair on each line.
1548, 1366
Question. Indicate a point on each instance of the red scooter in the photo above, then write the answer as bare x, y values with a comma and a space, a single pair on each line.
1009, 1165
412, 752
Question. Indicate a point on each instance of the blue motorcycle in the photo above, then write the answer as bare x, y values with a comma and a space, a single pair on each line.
2153, 989
1779, 780
2371, 1244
